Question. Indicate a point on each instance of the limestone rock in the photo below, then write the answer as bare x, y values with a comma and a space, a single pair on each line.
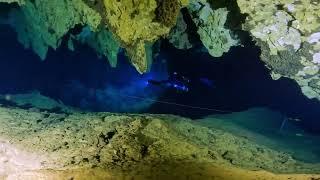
214, 36
288, 33
133, 23
178, 36
40, 24
102, 41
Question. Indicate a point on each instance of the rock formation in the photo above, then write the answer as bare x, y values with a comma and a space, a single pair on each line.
287, 31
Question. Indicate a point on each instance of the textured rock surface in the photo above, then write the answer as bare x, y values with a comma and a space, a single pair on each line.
178, 36
116, 141
133, 25
211, 28
40, 24
136, 25
20, 2
133, 22
34, 100
102, 41
37, 142
288, 33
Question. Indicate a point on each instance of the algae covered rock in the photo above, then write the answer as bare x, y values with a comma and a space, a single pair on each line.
40, 24
210, 23
137, 24
287, 32
167, 12
102, 41
178, 36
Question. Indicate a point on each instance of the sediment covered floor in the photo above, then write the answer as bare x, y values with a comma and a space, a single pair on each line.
68, 144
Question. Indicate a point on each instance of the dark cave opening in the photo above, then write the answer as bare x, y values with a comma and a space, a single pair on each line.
240, 79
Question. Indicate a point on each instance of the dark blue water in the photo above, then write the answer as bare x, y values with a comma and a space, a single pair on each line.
239, 80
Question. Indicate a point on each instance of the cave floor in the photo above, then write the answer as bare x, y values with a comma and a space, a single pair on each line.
39, 143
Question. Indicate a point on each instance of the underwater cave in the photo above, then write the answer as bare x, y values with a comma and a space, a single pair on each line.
122, 89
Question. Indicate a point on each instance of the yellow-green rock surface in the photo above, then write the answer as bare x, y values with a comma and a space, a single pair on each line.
136, 23
287, 31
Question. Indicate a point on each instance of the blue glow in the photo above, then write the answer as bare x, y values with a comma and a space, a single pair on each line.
124, 91
177, 86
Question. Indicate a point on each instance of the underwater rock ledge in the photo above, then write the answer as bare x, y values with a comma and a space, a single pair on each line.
37, 142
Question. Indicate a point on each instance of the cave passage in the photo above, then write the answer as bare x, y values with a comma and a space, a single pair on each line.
241, 81
238, 81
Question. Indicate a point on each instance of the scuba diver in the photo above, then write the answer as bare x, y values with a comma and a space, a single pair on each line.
175, 81
182, 84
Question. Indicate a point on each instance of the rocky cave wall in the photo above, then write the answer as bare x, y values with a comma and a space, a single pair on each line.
287, 31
